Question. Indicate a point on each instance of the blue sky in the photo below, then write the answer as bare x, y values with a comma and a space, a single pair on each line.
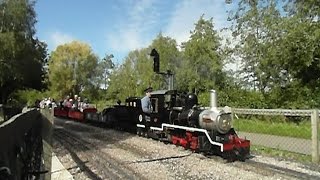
119, 26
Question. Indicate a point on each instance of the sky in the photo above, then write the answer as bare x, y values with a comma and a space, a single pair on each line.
120, 26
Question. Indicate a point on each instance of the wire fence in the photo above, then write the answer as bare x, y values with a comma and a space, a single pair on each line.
285, 129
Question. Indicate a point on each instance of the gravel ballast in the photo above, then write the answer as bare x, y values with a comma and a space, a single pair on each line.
142, 158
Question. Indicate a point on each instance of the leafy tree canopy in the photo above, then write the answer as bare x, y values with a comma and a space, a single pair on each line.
279, 48
202, 66
72, 69
22, 55
136, 73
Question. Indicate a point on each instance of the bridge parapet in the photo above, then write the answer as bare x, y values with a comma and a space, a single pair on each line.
22, 140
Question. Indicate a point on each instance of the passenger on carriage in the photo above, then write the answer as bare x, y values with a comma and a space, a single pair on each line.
65, 101
69, 103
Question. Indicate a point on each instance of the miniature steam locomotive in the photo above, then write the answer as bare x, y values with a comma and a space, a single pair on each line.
177, 118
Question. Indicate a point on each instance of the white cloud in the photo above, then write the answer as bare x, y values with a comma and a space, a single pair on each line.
146, 18
57, 38
188, 12
131, 33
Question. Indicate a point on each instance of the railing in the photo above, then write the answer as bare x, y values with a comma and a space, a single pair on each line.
314, 114
22, 140
6, 112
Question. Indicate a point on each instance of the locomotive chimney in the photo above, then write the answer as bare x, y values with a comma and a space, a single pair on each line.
213, 99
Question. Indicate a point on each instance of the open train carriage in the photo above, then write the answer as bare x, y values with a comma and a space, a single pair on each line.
61, 111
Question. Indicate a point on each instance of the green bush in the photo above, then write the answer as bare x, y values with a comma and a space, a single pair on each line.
27, 97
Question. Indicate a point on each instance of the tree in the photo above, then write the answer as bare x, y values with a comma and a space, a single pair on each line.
170, 58
22, 55
133, 76
279, 49
301, 52
136, 72
202, 66
105, 68
257, 29
72, 69
107, 65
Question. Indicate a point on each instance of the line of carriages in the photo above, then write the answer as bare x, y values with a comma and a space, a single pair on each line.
86, 114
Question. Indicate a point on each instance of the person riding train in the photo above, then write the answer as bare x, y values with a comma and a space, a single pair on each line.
146, 102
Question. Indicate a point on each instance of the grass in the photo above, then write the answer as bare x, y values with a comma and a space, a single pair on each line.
287, 155
302, 130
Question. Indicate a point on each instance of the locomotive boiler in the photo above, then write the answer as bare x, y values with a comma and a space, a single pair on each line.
211, 119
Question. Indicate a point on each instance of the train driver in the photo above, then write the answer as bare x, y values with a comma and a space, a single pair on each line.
146, 102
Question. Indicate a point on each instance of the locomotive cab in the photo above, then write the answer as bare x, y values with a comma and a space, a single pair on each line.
162, 101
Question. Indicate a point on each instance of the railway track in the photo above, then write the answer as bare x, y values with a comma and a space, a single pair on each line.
94, 163
94, 142
280, 170
249, 165
147, 157
266, 169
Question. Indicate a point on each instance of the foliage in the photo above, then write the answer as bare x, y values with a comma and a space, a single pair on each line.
256, 26
277, 42
29, 96
22, 55
72, 70
170, 58
280, 50
105, 68
202, 66
136, 73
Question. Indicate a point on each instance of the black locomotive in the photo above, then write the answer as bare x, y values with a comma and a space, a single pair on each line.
177, 118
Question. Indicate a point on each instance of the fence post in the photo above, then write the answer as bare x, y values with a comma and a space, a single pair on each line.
314, 137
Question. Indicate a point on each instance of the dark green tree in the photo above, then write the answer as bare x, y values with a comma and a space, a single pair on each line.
22, 55
279, 49
257, 28
136, 72
203, 66
170, 59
